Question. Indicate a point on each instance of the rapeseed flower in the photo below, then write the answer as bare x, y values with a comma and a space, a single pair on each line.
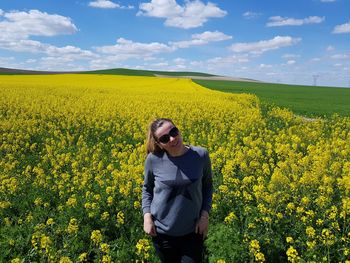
73, 145
96, 237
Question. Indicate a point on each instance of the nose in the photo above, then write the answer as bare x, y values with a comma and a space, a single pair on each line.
172, 138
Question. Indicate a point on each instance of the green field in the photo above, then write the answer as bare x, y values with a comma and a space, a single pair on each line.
304, 100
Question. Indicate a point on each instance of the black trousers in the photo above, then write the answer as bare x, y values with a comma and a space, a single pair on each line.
181, 249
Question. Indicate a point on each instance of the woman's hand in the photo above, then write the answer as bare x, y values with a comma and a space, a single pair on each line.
148, 225
202, 224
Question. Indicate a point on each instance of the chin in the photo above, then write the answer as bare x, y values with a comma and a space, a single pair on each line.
175, 146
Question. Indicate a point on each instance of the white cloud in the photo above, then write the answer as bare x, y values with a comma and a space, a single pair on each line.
251, 15
330, 48
265, 66
264, 45
288, 56
180, 60
229, 60
285, 21
327, 1
105, 4
27, 45
31, 60
17, 28
192, 14
106, 62
1, 12
8, 62
291, 62
58, 64
24, 45
180, 67
70, 52
21, 25
159, 65
126, 49
216, 65
6, 59
272, 73
161, 9
211, 36
224, 65
341, 56
56, 60
201, 39
344, 28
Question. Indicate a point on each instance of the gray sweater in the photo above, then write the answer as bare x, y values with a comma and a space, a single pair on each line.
177, 189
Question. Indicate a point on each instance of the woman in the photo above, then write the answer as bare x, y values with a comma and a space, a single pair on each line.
176, 195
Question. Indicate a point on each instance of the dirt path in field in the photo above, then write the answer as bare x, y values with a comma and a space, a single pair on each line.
207, 78
306, 118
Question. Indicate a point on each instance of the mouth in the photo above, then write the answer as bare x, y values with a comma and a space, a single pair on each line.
175, 144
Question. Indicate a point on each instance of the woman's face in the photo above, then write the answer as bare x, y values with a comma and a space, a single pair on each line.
175, 144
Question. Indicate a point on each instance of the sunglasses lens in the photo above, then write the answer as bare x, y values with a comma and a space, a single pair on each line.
174, 132
166, 137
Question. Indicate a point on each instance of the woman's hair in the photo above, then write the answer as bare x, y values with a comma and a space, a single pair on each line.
151, 143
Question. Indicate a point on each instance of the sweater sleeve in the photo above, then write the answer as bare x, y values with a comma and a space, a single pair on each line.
207, 184
148, 185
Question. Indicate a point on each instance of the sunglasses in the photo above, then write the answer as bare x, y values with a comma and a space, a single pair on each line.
166, 137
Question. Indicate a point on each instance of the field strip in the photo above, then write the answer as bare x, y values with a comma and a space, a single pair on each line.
207, 78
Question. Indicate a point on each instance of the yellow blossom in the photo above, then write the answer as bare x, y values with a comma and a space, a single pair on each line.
142, 248
289, 240
83, 257
310, 231
137, 205
105, 216
120, 218
106, 259
230, 218
96, 237
292, 254
50, 221
65, 260
104, 247
73, 226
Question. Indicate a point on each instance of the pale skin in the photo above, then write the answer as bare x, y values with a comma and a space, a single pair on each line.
174, 147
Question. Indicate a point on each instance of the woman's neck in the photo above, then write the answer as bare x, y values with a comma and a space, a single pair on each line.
182, 151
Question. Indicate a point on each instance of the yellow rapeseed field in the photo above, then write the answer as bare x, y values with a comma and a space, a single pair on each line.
71, 170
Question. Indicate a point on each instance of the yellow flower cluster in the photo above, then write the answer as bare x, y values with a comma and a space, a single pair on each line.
65, 260
254, 248
142, 248
72, 152
96, 237
292, 254
73, 226
230, 218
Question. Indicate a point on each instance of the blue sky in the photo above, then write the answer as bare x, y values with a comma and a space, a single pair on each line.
291, 41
